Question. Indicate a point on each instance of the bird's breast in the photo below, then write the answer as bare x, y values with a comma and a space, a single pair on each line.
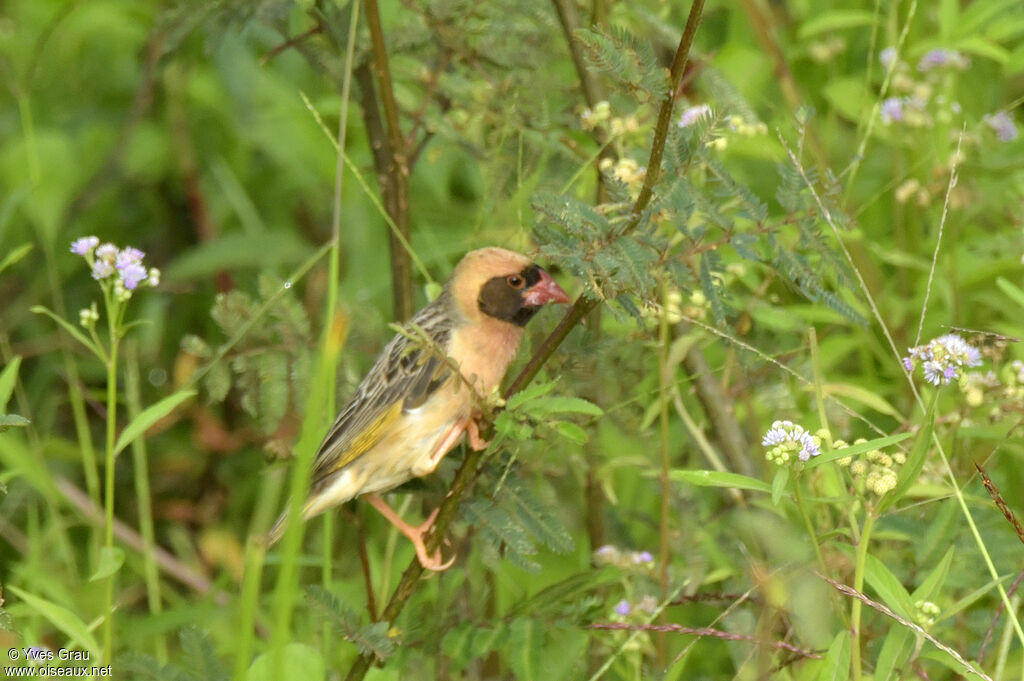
484, 351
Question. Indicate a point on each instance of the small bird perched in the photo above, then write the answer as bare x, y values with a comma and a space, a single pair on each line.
413, 407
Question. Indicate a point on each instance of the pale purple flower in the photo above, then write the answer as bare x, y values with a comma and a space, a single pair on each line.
786, 437
694, 114
943, 359
892, 110
940, 57
643, 557
1003, 125
84, 245
607, 555
101, 269
108, 252
129, 256
132, 274
623, 608
887, 56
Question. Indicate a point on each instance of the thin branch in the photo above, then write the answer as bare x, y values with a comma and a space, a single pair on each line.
953, 175
469, 470
704, 631
395, 172
290, 43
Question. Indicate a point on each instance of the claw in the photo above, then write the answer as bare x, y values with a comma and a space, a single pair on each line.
475, 441
414, 533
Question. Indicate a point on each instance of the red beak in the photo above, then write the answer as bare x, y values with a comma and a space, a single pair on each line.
545, 291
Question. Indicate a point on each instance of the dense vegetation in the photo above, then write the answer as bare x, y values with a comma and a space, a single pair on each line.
776, 436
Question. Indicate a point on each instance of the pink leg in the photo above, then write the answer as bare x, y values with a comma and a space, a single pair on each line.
449, 439
414, 533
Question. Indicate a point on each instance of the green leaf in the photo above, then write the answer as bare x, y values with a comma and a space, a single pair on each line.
868, 398
272, 370
217, 382
303, 662
524, 642
571, 432
981, 47
1013, 292
779, 484
371, 640
539, 520
12, 421
836, 665
948, 661
720, 479
15, 255
896, 650
571, 405
835, 20
200, 655
915, 460
888, 586
141, 423
111, 560
60, 617
935, 579
8, 378
71, 329
530, 393
854, 450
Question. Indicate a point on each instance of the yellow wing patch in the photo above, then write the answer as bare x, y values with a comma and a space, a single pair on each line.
372, 434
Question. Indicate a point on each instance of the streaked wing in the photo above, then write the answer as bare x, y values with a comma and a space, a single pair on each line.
405, 375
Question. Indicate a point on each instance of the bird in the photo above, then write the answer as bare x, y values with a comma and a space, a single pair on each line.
422, 395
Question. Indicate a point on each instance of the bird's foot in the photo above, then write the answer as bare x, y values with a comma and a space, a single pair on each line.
473, 430
414, 533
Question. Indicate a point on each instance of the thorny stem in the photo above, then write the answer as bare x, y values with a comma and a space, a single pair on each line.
467, 473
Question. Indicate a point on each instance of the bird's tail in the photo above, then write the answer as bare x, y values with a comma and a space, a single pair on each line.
277, 530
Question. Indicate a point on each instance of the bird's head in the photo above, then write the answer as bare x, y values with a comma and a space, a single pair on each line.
503, 285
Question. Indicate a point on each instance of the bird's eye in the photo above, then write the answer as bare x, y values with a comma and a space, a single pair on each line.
515, 281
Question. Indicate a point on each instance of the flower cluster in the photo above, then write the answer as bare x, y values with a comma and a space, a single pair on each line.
925, 613
694, 114
912, 103
784, 438
612, 555
877, 472
107, 260
943, 58
627, 171
976, 384
827, 50
1011, 388
648, 604
601, 114
943, 359
1003, 125
734, 124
